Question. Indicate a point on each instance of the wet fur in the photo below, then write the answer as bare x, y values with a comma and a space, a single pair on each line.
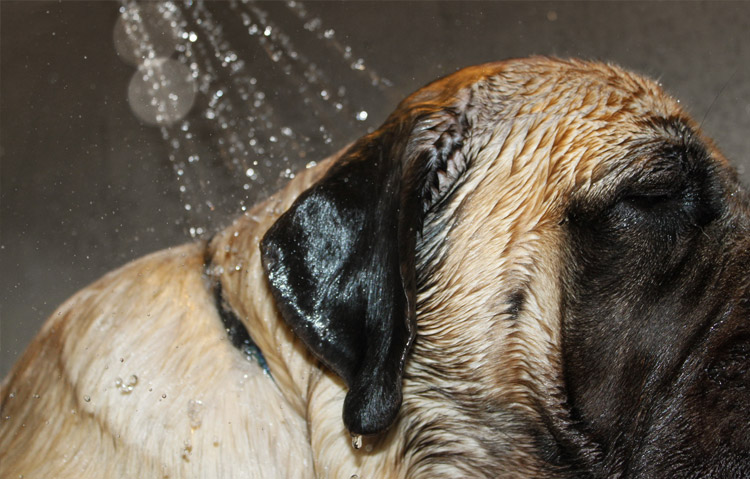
530, 192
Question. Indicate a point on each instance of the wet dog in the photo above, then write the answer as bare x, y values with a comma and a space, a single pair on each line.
534, 268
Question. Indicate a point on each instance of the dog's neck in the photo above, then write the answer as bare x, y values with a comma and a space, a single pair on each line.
233, 264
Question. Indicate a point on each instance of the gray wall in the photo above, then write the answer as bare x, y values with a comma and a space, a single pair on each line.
86, 187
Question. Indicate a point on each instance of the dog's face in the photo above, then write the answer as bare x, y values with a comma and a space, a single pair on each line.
539, 249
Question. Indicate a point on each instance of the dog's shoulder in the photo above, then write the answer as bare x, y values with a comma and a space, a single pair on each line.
165, 384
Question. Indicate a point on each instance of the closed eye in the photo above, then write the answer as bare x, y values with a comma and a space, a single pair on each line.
649, 201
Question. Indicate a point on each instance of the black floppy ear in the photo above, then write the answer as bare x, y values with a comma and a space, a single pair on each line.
341, 260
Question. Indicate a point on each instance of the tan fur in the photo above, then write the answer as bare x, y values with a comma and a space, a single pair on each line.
543, 132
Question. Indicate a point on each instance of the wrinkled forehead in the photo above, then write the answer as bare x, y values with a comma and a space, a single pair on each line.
572, 125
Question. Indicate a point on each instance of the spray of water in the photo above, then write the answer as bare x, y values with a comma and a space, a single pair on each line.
240, 118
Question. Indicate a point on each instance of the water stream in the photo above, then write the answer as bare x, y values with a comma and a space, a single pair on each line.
239, 119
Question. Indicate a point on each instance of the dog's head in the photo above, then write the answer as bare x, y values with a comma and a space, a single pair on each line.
564, 245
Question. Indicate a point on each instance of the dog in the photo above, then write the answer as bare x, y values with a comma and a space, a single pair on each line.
536, 268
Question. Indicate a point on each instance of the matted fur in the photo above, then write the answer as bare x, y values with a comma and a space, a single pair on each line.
483, 385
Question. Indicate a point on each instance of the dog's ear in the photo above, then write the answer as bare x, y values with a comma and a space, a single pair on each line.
341, 260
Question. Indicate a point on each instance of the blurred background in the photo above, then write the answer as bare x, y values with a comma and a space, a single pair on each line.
127, 127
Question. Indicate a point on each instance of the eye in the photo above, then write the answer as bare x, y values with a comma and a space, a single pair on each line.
650, 200
653, 200
666, 197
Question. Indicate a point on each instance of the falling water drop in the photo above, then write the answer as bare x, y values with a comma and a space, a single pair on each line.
243, 141
161, 92
143, 20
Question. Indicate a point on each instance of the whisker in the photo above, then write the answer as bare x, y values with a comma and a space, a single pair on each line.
710, 107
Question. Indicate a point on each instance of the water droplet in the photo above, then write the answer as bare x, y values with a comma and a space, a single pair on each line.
244, 125
362, 115
164, 396
162, 91
187, 450
195, 412
313, 24
87, 398
126, 387
143, 31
